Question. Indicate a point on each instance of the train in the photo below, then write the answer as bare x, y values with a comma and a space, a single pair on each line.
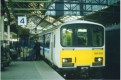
74, 46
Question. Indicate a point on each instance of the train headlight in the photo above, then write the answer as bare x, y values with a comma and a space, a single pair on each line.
66, 60
98, 59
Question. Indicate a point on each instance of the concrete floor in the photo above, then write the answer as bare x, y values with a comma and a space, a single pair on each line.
29, 70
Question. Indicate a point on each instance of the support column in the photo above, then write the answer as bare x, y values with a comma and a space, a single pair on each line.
59, 8
2, 28
8, 30
81, 8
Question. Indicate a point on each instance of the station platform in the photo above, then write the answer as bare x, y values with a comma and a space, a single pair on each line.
30, 70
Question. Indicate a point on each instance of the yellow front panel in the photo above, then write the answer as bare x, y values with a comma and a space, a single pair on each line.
67, 54
99, 53
82, 57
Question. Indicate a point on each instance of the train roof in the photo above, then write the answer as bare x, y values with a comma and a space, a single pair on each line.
81, 21
73, 22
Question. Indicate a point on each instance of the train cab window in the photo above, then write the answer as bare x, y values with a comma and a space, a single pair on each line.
97, 36
81, 37
66, 37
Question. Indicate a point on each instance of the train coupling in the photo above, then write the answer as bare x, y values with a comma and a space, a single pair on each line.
83, 72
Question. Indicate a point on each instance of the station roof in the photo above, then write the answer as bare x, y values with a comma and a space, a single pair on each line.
107, 16
38, 20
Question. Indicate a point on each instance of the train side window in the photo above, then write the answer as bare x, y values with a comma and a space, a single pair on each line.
47, 40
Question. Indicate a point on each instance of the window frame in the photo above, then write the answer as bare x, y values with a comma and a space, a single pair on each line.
75, 34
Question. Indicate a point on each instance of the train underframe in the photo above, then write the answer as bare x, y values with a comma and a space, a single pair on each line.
80, 72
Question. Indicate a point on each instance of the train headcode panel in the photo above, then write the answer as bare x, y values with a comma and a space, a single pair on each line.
22, 20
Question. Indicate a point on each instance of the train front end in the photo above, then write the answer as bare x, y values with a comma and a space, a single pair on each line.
83, 46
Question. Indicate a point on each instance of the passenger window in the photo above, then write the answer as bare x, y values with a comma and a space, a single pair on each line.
47, 40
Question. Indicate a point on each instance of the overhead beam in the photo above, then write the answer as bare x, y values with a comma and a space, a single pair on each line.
85, 3
42, 1
24, 14
33, 9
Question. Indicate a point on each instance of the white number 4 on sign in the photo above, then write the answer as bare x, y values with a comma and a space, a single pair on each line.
22, 20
